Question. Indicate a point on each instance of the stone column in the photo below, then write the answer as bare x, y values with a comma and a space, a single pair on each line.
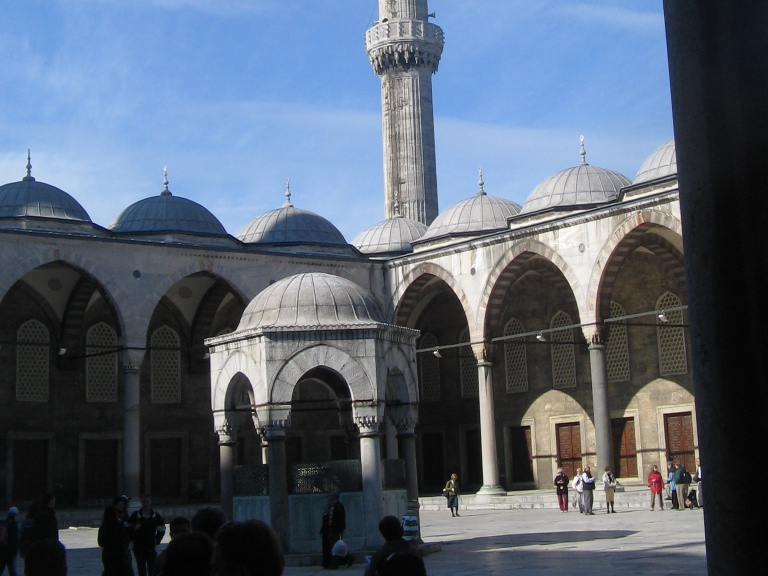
717, 67
601, 412
132, 360
487, 426
407, 436
227, 457
278, 484
370, 459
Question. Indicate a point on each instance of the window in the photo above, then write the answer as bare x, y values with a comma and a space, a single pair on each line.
617, 349
166, 366
468, 366
429, 370
563, 355
515, 358
671, 337
101, 364
32, 362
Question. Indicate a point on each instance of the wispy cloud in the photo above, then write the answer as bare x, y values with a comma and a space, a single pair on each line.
626, 19
222, 8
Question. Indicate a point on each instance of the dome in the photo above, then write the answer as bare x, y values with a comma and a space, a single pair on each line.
311, 300
32, 199
481, 213
290, 225
393, 235
579, 187
167, 213
662, 162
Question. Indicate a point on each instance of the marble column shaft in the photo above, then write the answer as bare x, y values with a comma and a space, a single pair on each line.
227, 446
487, 430
600, 409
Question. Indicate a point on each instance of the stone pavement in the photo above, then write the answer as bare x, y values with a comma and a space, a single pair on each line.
527, 542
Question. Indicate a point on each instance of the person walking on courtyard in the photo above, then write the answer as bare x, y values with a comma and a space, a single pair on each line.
114, 539
451, 492
588, 482
148, 529
609, 485
9, 541
561, 485
656, 484
578, 485
332, 528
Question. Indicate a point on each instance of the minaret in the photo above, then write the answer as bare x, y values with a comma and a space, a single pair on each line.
404, 49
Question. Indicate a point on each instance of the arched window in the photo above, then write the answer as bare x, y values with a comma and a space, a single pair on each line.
429, 370
166, 366
617, 349
468, 367
33, 357
101, 363
515, 358
671, 337
563, 355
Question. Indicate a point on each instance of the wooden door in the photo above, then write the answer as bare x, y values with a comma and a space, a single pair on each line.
569, 447
166, 467
624, 447
680, 444
30, 470
522, 453
100, 468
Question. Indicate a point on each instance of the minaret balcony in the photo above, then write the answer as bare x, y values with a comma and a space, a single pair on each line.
404, 43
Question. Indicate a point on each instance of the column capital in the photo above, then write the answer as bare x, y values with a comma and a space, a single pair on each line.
595, 335
132, 360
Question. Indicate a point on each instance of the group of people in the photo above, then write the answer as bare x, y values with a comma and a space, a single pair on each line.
36, 539
679, 491
583, 485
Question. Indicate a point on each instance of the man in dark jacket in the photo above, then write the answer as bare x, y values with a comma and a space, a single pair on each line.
681, 486
9, 546
148, 529
113, 539
333, 525
46, 524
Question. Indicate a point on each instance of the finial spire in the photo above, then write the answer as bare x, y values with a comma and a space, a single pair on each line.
397, 208
29, 166
165, 191
583, 153
287, 193
480, 183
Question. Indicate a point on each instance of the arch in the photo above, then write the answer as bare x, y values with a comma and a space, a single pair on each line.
361, 385
625, 238
399, 361
406, 299
511, 266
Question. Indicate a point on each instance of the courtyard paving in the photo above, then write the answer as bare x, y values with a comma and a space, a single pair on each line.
526, 542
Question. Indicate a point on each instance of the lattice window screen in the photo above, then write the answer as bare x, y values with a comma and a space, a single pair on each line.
671, 338
166, 366
515, 358
617, 349
563, 355
468, 367
429, 370
101, 367
32, 362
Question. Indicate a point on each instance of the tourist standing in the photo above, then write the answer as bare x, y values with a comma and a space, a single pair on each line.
609, 485
681, 485
656, 485
561, 486
114, 539
332, 528
9, 543
588, 482
451, 493
697, 478
46, 525
578, 485
147, 528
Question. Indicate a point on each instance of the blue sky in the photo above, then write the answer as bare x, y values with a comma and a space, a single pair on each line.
235, 96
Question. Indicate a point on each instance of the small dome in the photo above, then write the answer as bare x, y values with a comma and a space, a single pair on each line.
290, 225
575, 188
480, 213
662, 162
32, 199
390, 236
167, 213
311, 300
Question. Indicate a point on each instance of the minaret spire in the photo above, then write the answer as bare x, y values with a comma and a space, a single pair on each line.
404, 50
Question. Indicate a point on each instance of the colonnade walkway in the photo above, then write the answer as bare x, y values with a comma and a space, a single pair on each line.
538, 541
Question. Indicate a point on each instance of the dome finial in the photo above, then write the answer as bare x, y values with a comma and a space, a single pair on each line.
28, 177
287, 194
583, 153
480, 183
397, 208
165, 191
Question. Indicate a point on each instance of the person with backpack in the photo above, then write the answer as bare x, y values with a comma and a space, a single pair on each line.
682, 480
9, 541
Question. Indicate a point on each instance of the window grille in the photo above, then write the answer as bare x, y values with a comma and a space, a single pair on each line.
33, 357
429, 370
101, 364
468, 367
515, 358
166, 366
671, 337
617, 349
563, 355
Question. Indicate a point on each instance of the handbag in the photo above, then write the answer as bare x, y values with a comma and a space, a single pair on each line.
445, 493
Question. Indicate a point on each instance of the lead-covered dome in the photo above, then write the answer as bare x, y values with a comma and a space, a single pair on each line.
390, 236
290, 225
167, 213
32, 199
480, 213
576, 188
311, 300
662, 162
